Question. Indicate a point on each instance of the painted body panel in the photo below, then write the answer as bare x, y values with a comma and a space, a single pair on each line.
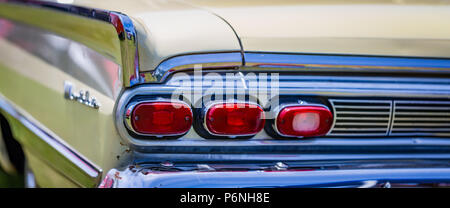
171, 28
33, 70
375, 27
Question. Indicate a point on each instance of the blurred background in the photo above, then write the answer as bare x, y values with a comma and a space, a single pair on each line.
10, 181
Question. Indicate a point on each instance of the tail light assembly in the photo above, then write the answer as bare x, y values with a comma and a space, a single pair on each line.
234, 119
159, 118
303, 121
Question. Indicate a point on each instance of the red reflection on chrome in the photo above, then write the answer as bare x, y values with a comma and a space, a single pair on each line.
304, 121
161, 118
235, 119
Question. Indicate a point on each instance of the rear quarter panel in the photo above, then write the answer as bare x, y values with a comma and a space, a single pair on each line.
32, 80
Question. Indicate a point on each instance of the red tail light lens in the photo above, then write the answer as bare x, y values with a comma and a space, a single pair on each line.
234, 119
304, 121
161, 118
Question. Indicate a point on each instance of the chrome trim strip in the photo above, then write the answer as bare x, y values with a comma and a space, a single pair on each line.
391, 119
221, 157
129, 47
127, 116
320, 145
53, 141
122, 23
97, 14
321, 62
296, 62
357, 177
210, 61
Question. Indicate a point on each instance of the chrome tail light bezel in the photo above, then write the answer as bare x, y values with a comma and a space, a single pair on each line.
128, 114
274, 129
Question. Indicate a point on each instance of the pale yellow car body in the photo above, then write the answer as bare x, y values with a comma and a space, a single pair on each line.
170, 28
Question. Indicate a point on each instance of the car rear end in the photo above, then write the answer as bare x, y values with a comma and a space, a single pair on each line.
286, 94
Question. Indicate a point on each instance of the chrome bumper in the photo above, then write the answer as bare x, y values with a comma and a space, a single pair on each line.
133, 177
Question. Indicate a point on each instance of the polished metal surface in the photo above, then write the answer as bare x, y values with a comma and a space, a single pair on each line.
363, 178
82, 97
127, 54
294, 156
97, 14
390, 118
360, 117
30, 180
352, 90
413, 118
75, 59
208, 61
346, 63
60, 155
297, 63
128, 47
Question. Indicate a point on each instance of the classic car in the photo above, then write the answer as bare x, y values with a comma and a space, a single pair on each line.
235, 93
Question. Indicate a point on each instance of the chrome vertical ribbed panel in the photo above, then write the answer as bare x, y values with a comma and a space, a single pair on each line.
423, 118
360, 117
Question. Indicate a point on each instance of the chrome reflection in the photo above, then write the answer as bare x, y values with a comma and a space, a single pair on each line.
134, 177
75, 59
188, 62
291, 85
128, 44
264, 61
325, 62
59, 155
126, 33
82, 97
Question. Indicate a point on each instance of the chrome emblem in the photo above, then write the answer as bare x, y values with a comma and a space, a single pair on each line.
82, 96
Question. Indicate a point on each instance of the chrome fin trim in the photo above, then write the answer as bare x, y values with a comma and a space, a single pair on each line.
129, 47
